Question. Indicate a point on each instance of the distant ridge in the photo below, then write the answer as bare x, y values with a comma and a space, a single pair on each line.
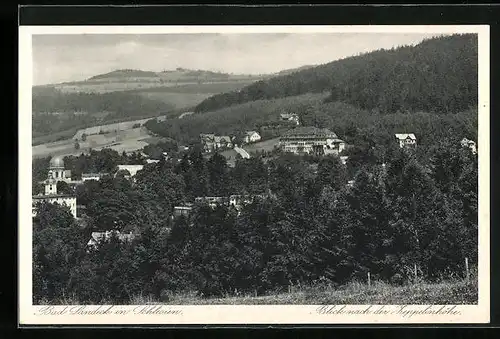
125, 73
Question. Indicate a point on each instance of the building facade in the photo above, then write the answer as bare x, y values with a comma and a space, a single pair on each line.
311, 140
92, 176
212, 142
251, 136
406, 139
56, 173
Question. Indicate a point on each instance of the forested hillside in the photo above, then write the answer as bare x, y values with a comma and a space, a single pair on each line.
438, 75
418, 213
55, 111
120, 104
354, 125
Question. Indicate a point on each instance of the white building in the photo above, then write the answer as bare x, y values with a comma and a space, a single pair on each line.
132, 169
251, 136
92, 176
56, 173
469, 144
97, 237
406, 139
311, 140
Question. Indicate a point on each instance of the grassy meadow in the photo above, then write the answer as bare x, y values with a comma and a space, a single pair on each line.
457, 292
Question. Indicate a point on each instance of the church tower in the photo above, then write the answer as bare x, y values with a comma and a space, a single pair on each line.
56, 173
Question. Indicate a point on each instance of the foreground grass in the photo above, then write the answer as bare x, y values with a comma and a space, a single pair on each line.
454, 293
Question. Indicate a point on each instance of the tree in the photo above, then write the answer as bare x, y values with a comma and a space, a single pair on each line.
218, 175
63, 188
84, 137
331, 172
77, 144
58, 246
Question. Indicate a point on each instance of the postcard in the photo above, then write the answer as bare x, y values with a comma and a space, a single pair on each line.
186, 175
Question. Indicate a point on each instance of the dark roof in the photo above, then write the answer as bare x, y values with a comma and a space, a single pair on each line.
309, 131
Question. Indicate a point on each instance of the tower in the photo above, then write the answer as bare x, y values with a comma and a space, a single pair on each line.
56, 173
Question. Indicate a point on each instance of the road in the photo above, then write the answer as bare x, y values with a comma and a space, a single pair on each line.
244, 154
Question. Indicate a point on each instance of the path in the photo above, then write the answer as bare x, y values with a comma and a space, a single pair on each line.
244, 154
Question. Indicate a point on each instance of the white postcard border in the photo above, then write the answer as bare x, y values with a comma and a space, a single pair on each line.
247, 314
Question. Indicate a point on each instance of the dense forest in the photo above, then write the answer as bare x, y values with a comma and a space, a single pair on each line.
419, 210
438, 75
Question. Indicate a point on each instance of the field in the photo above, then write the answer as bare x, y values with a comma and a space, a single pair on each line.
460, 292
178, 100
127, 140
446, 293
154, 85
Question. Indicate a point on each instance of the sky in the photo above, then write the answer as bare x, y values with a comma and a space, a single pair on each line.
61, 58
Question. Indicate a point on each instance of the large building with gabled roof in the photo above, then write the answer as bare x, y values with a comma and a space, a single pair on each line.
311, 140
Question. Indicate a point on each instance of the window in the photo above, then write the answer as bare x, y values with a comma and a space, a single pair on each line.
57, 174
50, 188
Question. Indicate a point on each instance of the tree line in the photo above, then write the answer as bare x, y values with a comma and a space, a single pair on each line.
405, 209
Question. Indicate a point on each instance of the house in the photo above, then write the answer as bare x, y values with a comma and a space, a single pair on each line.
55, 174
406, 139
211, 201
152, 161
470, 144
234, 200
291, 117
92, 176
182, 210
311, 140
97, 237
212, 142
222, 142
251, 136
132, 169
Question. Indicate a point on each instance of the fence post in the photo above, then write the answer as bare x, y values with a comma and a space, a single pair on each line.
369, 280
467, 268
415, 272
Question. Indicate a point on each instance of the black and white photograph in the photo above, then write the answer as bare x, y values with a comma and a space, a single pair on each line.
234, 166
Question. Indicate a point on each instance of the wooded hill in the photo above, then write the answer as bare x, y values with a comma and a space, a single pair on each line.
438, 75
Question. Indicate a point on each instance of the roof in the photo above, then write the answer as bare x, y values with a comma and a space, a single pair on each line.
403, 136
219, 138
309, 131
88, 175
99, 236
56, 162
251, 132
288, 115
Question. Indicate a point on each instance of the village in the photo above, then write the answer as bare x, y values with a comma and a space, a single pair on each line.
298, 140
